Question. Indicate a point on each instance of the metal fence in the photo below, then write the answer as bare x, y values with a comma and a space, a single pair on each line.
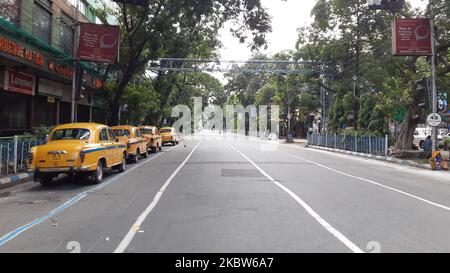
360, 144
14, 154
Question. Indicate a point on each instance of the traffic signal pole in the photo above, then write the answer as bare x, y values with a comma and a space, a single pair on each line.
434, 101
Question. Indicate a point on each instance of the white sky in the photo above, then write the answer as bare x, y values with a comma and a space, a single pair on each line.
287, 17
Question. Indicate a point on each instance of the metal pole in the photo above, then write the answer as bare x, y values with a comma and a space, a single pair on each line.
370, 144
433, 80
15, 154
335, 140
7, 160
74, 76
1, 158
386, 145
356, 143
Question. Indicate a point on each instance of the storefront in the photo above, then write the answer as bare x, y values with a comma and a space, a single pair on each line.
36, 90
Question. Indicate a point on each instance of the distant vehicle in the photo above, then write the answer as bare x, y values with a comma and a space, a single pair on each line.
169, 135
421, 133
82, 148
151, 133
132, 137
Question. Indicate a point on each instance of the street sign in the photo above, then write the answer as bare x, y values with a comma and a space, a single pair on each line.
434, 119
400, 114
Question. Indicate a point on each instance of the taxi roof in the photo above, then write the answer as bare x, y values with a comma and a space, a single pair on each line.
84, 125
146, 126
125, 127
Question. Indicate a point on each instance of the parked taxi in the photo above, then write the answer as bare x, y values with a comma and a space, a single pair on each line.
83, 148
132, 137
169, 135
151, 133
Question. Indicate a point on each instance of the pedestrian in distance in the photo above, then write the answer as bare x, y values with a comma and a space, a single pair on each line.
427, 144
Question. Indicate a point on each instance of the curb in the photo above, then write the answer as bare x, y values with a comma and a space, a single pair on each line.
15, 179
377, 157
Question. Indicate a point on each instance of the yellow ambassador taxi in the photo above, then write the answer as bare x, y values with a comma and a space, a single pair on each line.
132, 137
169, 135
77, 148
151, 133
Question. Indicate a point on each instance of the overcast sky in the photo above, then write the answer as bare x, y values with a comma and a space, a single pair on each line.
286, 18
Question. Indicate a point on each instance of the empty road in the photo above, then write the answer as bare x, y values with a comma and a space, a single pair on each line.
235, 195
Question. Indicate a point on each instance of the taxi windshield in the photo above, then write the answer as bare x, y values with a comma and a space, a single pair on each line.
165, 130
147, 131
121, 132
72, 133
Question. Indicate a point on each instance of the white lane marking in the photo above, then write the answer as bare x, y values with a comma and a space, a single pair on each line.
75, 199
371, 182
308, 209
137, 225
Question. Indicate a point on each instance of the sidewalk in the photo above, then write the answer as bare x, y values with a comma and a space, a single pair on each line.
9, 181
303, 142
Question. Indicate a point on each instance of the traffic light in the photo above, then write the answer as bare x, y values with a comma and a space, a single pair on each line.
422, 87
393, 5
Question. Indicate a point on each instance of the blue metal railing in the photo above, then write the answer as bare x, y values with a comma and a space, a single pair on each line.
360, 144
14, 153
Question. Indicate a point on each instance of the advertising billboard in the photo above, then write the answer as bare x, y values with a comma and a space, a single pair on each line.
98, 43
411, 37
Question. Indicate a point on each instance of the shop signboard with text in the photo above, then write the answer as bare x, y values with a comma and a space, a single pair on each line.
411, 37
19, 82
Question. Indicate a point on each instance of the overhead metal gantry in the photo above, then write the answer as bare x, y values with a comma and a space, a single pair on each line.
279, 67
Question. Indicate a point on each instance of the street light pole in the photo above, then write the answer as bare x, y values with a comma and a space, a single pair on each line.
433, 80
75, 72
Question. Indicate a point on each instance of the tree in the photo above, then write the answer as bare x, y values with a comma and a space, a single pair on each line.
178, 28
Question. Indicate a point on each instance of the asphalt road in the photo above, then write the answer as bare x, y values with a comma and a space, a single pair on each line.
235, 195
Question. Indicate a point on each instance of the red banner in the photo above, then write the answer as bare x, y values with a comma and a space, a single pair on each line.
411, 37
98, 43
19, 82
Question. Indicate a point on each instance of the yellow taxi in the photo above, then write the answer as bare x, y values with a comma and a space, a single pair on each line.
83, 148
132, 137
169, 135
153, 137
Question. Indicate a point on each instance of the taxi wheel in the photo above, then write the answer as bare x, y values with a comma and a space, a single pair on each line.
145, 154
97, 175
123, 165
135, 158
160, 147
46, 180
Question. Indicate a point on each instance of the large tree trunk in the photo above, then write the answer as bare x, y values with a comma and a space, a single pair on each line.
406, 135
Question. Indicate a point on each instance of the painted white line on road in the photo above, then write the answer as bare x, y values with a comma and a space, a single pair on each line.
371, 182
308, 209
137, 225
14, 233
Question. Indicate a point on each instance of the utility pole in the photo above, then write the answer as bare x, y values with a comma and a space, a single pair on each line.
433, 80
73, 117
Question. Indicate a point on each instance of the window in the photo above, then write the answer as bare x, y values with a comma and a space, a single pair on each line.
121, 132
112, 137
67, 34
147, 131
165, 131
9, 10
42, 23
138, 133
72, 133
104, 135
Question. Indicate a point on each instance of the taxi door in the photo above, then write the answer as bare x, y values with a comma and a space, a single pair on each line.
141, 143
116, 152
106, 144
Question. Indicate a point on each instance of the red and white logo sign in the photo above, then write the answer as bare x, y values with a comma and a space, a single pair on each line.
98, 43
411, 37
20, 82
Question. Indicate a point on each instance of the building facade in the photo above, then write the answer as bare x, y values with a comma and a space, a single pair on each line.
37, 67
